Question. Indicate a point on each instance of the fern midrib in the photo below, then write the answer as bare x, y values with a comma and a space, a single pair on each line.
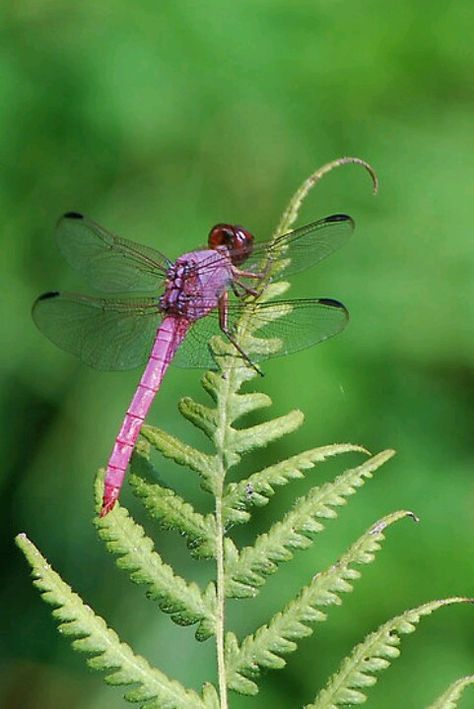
220, 439
354, 661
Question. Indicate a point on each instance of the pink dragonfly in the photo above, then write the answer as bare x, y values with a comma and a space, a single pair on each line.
124, 331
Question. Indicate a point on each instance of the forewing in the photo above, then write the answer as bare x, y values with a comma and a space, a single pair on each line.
302, 248
105, 333
109, 263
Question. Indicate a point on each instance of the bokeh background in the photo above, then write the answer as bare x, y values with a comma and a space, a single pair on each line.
160, 119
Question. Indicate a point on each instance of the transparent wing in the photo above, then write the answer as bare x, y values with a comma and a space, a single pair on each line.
278, 328
286, 326
104, 333
306, 246
193, 352
109, 263
299, 249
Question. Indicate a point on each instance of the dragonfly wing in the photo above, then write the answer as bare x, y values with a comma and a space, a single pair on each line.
105, 333
194, 352
265, 329
109, 263
285, 326
304, 247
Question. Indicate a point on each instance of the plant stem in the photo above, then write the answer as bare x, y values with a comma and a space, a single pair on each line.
220, 617
220, 443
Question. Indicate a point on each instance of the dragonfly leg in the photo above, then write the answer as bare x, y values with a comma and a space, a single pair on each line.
248, 274
223, 324
245, 289
233, 285
261, 275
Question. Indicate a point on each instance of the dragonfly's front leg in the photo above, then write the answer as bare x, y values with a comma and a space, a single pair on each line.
248, 274
236, 284
223, 306
238, 274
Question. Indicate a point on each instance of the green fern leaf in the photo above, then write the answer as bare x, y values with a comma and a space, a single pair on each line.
357, 672
199, 415
170, 510
209, 696
176, 450
449, 698
265, 647
183, 601
263, 433
109, 654
259, 487
290, 215
246, 572
242, 404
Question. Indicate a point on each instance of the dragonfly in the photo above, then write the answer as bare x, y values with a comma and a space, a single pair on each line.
156, 311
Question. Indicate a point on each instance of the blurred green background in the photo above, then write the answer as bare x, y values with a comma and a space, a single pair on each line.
160, 119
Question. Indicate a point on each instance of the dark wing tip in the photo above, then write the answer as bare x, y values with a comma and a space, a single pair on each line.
73, 215
331, 303
48, 295
339, 218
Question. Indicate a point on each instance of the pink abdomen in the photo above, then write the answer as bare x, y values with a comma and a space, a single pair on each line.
169, 336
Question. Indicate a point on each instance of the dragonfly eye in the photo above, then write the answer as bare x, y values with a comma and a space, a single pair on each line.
237, 239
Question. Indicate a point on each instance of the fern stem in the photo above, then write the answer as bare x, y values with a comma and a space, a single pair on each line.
220, 609
220, 443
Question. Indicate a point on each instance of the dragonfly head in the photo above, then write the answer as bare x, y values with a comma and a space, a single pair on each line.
238, 240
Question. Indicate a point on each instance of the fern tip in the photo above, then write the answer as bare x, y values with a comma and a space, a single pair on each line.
385, 522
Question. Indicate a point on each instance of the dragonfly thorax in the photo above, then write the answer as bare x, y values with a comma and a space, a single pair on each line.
195, 282
175, 299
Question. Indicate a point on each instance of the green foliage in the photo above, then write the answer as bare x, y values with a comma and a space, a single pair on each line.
265, 647
240, 573
167, 508
93, 637
184, 601
259, 487
449, 698
356, 674
245, 570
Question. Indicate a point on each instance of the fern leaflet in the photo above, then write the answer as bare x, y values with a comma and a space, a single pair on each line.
169, 509
259, 487
265, 647
246, 571
449, 698
108, 654
183, 601
357, 672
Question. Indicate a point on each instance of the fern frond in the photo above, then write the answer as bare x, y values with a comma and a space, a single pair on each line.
265, 647
243, 441
181, 453
246, 571
259, 487
169, 509
230, 441
290, 214
449, 698
241, 403
199, 415
91, 635
182, 600
172, 512
357, 672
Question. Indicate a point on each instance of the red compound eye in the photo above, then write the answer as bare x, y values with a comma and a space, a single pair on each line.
238, 240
